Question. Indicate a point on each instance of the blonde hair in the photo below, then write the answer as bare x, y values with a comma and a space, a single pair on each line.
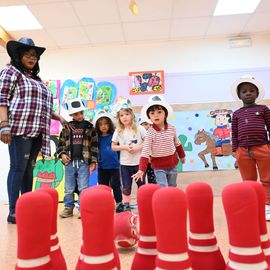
120, 125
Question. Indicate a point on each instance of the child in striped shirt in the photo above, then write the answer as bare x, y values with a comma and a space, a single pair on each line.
250, 134
162, 142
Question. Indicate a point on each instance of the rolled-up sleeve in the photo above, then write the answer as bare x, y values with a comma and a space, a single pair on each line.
8, 78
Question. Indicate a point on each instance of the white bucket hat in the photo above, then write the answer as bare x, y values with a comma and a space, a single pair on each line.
145, 120
74, 106
156, 100
101, 114
248, 79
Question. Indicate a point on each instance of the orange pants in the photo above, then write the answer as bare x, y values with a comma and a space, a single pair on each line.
252, 159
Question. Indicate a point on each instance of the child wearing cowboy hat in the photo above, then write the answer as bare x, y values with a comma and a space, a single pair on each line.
162, 142
108, 162
26, 109
78, 150
250, 134
128, 140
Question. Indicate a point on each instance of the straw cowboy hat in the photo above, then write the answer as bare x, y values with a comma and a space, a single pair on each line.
101, 114
24, 42
247, 79
156, 100
74, 106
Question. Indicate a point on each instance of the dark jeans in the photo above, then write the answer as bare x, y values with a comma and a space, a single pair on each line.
111, 177
126, 173
23, 153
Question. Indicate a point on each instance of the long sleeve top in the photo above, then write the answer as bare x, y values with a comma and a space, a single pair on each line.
29, 103
250, 126
89, 144
164, 146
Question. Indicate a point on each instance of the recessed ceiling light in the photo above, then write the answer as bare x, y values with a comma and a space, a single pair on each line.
230, 7
14, 18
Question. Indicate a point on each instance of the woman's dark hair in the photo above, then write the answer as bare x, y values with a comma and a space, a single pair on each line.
155, 108
111, 125
242, 84
16, 61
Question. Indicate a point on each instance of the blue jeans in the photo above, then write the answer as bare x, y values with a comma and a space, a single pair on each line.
166, 177
23, 153
76, 172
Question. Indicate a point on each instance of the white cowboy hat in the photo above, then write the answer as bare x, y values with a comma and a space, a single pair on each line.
24, 42
248, 79
156, 100
145, 120
74, 106
101, 114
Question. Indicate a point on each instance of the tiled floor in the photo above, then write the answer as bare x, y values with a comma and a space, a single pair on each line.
69, 230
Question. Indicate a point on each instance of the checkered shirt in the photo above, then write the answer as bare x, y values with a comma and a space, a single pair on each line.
29, 104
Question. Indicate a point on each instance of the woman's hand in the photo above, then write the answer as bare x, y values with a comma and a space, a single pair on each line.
5, 135
65, 159
65, 123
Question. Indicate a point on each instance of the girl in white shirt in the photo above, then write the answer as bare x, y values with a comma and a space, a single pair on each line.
128, 140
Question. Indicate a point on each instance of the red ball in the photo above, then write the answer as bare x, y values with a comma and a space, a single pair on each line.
126, 233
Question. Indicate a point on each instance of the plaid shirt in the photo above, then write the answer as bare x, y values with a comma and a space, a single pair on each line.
29, 104
90, 144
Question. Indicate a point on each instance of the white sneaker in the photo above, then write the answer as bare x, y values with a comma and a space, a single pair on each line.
267, 212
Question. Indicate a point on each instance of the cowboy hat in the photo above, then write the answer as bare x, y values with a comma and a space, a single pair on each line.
247, 79
74, 106
101, 114
156, 100
24, 42
145, 120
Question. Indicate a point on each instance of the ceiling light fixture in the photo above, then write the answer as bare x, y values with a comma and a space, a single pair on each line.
230, 7
13, 18
133, 7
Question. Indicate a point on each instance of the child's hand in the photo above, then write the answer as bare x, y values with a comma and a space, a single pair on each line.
92, 167
137, 176
65, 159
183, 160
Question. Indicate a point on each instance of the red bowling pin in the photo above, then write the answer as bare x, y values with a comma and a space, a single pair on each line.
170, 215
57, 259
265, 243
97, 215
203, 249
241, 209
34, 216
145, 256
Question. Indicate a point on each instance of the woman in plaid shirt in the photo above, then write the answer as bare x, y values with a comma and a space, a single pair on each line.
25, 112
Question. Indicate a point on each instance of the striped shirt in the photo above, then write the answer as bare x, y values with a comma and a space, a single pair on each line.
29, 104
250, 126
164, 145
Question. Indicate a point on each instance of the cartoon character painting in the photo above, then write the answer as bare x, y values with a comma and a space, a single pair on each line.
223, 130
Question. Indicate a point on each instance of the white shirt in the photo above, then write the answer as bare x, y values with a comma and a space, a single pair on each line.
127, 137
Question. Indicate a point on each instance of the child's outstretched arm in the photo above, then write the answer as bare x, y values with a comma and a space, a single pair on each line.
137, 176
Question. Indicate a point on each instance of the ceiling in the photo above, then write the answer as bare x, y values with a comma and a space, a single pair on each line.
81, 23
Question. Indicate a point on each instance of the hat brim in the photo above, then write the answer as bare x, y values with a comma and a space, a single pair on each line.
13, 46
160, 103
100, 115
248, 80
